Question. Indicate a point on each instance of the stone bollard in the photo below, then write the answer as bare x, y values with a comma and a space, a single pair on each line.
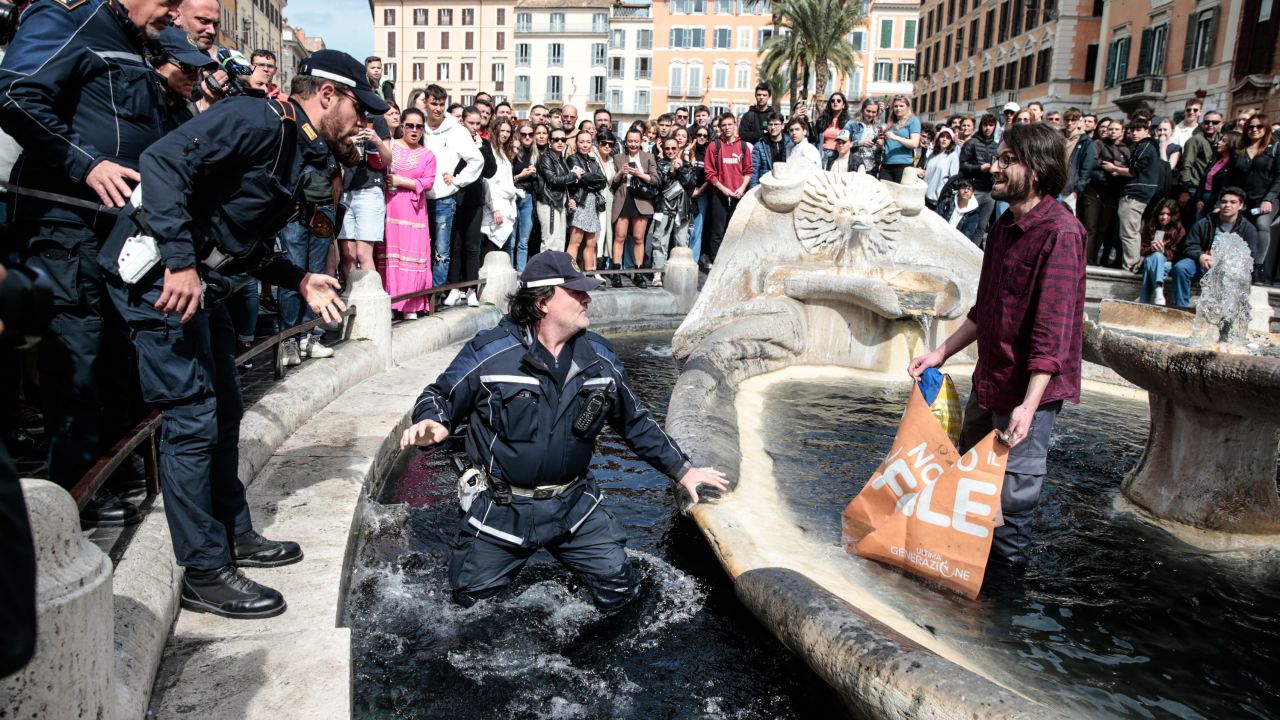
373, 312
500, 279
70, 674
680, 278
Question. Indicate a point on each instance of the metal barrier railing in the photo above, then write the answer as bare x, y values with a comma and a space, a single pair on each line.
431, 293
147, 430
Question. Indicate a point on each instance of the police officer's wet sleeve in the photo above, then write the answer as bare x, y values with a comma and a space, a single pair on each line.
452, 395
633, 421
213, 144
42, 61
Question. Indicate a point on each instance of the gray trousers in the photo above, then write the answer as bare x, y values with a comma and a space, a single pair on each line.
668, 232
1023, 474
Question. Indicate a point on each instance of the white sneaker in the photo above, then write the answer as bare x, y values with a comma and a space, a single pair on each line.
452, 298
657, 279
410, 316
289, 349
311, 347
472, 300
1159, 298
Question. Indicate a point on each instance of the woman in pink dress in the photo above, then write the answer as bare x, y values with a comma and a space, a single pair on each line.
404, 260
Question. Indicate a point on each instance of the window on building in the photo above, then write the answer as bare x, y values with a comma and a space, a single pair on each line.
858, 39
444, 41
524, 22
946, 49
720, 38
600, 23
642, 102
1031, 16
644, 39
469, 40
615, 101
906, 71
1201, 34
959, 46
388, 71
597, 89
555, 88
1117, 61
502, 17
997, 79
883, 71
599, 51
1151, 53
389, 16
679, 7
468, 16
555, 54
988, 31
1044, 59
968, 88
616, 67
688, 38
675, 80
1011, 76
724, 7
982, 84
522, 88
522, 54
442, 71
720, 76
419, 71
498, 73
1024, 76
695, 80
644, 68
557, 22
391, 43
468, 100
886, 33
468, 72
1004, 22
742, 76
1091, 63
419, 16
618, 39
744, 38
444, 16
422, 41
973, 38
951, 11
500, 41
909, 34
765, 34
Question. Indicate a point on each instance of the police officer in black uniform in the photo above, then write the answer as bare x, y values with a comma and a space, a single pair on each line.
179, 63
214, 193
78, 96
536, 391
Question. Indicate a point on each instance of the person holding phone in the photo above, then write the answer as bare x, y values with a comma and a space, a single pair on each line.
634, 186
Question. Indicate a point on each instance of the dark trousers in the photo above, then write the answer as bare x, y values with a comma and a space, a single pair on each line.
1099, 210
308, 252
482, 564
719, 212
189, 372
1024, 473
84, 361
464, 260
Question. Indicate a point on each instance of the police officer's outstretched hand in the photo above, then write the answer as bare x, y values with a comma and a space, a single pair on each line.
321, 294
181, 293
702, 476
425, 433
111, 182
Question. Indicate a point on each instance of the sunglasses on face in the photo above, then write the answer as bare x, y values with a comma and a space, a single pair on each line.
702, 136
1212, 122
558, 139
1255, 127
411, 126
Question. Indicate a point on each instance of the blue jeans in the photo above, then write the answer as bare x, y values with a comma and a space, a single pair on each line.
1185, 272
518, 243
695, 231
1155, 270
243, 304
308, 252
441, 212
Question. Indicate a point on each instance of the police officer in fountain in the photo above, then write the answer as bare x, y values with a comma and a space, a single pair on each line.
214, 193
536, 391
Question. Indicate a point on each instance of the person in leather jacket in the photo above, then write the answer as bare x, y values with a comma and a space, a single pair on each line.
673, 208
536, 391
585, 200
554, 181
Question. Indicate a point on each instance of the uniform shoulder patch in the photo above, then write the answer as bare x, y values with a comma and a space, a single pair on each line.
490, 336
309, 131
70, 4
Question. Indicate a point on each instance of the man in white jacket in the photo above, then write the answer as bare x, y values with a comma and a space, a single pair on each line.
452, 145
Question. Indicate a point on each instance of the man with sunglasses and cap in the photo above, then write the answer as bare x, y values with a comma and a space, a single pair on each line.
535, 391
213, 195
178, 64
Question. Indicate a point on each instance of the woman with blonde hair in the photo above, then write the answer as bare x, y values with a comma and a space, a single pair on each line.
901, 138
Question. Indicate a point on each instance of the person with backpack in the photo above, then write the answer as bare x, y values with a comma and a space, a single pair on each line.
1145, 172
728, 172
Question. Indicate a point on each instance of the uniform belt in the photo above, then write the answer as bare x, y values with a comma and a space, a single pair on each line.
541, 492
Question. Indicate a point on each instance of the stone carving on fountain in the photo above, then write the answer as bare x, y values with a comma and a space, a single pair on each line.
821, 268
1210, 460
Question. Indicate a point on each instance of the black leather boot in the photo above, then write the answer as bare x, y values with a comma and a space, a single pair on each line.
106, 509
638, 279
252, 550
615, 279
227, 592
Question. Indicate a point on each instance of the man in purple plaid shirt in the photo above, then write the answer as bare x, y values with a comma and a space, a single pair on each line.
1028, 321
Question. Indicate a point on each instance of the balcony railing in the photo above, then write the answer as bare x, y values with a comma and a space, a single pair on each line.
1142, 85
620, 11
584, 27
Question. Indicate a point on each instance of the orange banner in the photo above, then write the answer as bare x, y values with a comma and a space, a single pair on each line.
928, 510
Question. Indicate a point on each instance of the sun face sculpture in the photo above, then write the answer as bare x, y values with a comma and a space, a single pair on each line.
847, 218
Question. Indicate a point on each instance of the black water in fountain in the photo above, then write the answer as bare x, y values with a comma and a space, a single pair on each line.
1113, 618
687, 649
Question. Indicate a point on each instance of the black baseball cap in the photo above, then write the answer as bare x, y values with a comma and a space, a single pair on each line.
175, 45
345, 70
552, 267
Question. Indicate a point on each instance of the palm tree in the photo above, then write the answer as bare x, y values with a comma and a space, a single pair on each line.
817, 39
784, 55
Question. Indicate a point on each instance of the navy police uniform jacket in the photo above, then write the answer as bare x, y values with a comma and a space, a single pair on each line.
521, 423
75, 90
228, 178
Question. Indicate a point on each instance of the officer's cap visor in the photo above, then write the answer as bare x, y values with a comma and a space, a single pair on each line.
370, 102
584, 283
